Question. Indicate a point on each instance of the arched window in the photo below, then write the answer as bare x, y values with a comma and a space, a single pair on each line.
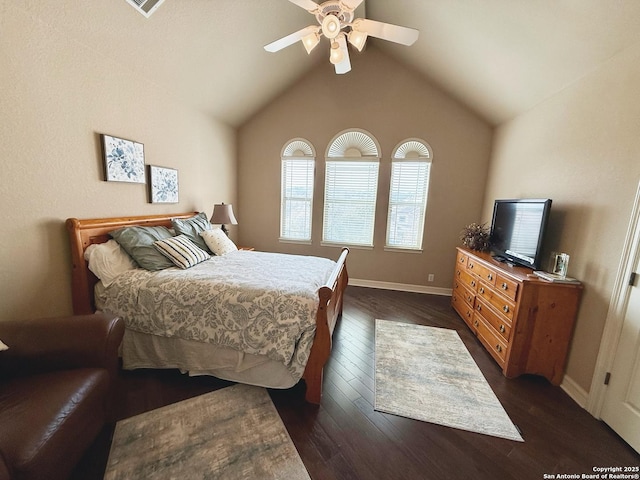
296, 200
351, 187
410, 169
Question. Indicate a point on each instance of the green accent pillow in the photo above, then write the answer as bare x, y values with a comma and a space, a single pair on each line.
138, 243
192, 227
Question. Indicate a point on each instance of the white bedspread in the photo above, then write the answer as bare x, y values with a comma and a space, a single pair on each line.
254, 302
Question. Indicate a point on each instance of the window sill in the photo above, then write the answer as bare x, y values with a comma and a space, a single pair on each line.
299, 242
349, 245
403, 250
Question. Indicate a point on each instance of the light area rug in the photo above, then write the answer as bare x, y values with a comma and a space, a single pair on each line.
232, 433
426, 373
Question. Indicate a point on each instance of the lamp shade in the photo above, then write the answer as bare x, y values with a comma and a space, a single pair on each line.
357, 39
335, 55
223, 214
310, 41
331, 26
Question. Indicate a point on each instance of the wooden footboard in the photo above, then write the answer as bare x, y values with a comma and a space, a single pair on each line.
329, 310
83, 233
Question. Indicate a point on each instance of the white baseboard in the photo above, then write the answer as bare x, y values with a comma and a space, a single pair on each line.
401, 287
575, 391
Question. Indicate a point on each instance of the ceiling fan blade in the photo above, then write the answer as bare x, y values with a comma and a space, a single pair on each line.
308, 5
290, 39
351, 4
345, 65
386, 31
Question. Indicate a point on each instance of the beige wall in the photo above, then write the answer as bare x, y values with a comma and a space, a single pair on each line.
392, 103
56, 96
581, 149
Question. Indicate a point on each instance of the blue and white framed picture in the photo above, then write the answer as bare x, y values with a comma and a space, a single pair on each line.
163, 185
123, 160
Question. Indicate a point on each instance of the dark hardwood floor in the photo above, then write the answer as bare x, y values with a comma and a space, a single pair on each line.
344, 438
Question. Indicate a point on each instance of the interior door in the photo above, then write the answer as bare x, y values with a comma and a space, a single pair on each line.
621, 408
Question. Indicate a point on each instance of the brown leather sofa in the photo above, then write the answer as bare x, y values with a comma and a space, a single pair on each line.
56, 392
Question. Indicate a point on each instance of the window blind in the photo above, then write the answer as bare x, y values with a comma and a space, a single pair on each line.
350, 201
297, 199
407, 203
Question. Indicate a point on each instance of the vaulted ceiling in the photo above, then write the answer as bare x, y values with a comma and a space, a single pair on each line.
499, 57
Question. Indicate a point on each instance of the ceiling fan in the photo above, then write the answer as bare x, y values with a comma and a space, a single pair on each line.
336, 23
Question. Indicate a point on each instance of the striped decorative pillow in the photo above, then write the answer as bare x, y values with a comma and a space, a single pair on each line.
181, 251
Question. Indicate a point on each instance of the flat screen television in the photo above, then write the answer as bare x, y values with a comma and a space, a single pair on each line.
517, 230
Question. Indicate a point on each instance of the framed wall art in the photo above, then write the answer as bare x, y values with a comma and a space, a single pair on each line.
123, 160
163, 185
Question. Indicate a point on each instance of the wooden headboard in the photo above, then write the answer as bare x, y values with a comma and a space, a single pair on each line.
83, 233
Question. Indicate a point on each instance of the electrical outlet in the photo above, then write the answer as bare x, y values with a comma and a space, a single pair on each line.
431, 277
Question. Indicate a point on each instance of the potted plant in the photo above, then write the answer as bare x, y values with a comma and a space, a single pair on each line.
476, 237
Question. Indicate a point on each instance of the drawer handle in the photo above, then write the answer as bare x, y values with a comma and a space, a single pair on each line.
469, 298
458, 272
461, 259
479, 308
481, 289
473, 283
468, 314
498, 348
505, 309
475, 324
504, 286
502, 329
471, 266
490, 277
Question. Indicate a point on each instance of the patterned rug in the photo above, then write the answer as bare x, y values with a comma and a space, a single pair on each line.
427, 374
232, 433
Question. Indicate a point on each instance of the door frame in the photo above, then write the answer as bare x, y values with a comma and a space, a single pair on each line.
617, 311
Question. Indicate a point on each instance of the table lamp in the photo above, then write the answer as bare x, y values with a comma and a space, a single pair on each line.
223, 214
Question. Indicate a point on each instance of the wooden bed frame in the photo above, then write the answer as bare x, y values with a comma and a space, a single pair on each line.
83, 233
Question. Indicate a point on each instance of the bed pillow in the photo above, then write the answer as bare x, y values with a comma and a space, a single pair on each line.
138, 243
192, 227
181, 251
108, 260
3, 346
218, 241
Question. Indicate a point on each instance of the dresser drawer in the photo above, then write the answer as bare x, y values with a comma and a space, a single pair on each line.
498, 322
489, 294
467, 295
469, 281
463, 309
461, 259
507, 287
491, 340
484, 273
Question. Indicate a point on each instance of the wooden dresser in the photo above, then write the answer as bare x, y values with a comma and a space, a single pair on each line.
525, 323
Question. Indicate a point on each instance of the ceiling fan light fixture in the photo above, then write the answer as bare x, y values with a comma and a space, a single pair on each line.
357, 39
335, 21
331, 26
310, 41
336, 55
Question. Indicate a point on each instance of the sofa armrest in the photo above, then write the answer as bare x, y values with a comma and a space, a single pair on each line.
46, 344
